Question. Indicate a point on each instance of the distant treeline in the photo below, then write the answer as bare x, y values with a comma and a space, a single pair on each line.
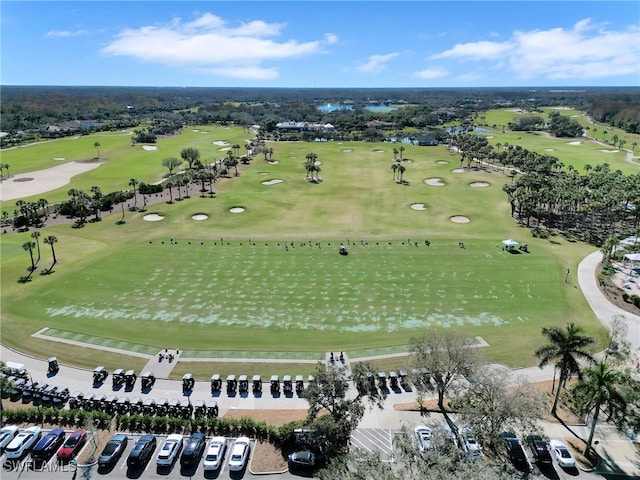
32, 108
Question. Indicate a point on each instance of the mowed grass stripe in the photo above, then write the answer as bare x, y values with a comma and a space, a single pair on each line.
100, 341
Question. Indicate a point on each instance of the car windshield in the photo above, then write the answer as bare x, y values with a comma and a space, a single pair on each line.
212, 457
236, 457
564, 453
110, 448
71, 442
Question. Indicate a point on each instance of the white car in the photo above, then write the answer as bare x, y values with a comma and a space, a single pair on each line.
215, 453
423, 437
23, 442
561, 453
470, 444
7, 434
170, 450
239, 454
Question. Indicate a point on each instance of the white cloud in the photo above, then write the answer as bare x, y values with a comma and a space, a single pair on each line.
431, 73
582, 52
376, 63
65, 33
209, 44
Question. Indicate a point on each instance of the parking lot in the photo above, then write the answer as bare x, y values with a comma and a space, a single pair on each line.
26, 468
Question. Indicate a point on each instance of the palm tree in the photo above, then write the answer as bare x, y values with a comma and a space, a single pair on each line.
401, 149
50, 240
394, 167
134, 182
6, 167
97, 145
42, 203
169, 185
565, 347
29, 246
36, 236
600, 387
395, 154
121, 198
401, 170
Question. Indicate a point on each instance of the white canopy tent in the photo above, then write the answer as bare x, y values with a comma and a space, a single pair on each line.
510, 243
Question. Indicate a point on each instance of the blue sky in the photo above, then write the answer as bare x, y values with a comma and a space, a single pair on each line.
308, 44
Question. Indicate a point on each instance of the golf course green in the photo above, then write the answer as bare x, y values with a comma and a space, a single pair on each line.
254, 271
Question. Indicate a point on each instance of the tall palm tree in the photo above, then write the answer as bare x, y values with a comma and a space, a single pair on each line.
395, 154
401, 170
6, 167
401, 149
566, 347
600, 387
50, 240
36, 236
394, 167
169, 185
133, 183
29, 246
97, 145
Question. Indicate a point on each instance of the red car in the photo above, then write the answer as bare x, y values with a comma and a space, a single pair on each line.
72, 446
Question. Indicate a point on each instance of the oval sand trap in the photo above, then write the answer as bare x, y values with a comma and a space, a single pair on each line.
153, 217
347, 150
458, 170
479, 184
574, 143
378, 150
272, 182
442, 162
418, 206
273, 162
59, 159
149, 147
198, 217
459, 219
236, 209
434, 182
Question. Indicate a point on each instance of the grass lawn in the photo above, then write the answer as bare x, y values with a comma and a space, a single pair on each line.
229, 284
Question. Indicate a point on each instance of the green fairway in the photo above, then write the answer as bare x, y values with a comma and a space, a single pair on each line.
269, 281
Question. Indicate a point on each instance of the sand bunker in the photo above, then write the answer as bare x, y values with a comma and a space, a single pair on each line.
273, 162
225, 149
198, 217
272, 182
609, 151
347, 150
459, 219
458, 170
263, 173
59, 159
442, 162
434, 182
574, 143
378, 150
418, 206
548, 149
42, 181
153, 217
479, 184
236, 209
221, 143
149, 147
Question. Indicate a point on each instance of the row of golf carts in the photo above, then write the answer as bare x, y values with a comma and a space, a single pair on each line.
120, 377
163, 407
240, 384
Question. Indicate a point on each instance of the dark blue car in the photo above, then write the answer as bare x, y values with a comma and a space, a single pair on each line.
48, 445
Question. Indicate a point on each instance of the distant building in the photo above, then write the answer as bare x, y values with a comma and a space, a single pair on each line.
425, 139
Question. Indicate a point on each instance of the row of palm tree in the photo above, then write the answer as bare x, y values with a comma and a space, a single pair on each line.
602, 384
400, 169
312, 167
4, 166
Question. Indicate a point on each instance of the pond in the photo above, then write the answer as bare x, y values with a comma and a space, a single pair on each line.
328, 108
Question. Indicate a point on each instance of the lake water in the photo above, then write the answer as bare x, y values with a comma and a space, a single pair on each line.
328, 108
380, 108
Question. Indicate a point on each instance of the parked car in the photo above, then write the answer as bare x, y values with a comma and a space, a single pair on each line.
305, 460
170, 450
561, 453
142, 451
72, 446
514, 450
113, 450
423, 438
7, 434
48, 444
24, 441
193, 449
215, 453
239, 454
539, 448
470, 444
